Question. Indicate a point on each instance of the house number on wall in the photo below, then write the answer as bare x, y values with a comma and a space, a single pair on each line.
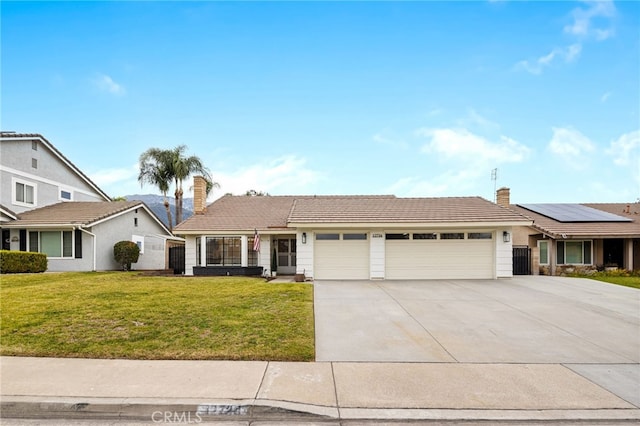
376, 235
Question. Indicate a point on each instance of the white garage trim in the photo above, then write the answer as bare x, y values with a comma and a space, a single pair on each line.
341, 258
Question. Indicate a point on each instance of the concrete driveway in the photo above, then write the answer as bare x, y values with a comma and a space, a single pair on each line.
518, 320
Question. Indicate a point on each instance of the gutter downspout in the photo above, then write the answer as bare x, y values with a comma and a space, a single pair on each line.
94, 245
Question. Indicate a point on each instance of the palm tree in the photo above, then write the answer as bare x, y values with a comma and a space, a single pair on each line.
182, 167
155, 169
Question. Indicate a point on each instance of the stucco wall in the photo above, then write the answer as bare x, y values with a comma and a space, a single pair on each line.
121, 228
48, 178
304, 260
377, 255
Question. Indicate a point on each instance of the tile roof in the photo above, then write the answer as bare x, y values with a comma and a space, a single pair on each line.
72, 213
13, 135
399, 210
242, 213
556, 229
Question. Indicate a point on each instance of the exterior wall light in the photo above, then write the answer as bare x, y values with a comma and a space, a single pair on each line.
304, 238
506, 236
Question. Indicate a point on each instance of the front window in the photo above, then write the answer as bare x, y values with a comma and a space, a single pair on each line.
252, 255
198, 251
573, 253
223, 251
52, 243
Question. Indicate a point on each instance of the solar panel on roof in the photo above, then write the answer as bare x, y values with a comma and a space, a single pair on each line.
573, 213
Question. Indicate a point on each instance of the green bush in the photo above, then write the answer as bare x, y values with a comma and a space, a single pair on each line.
13, 262
126, 253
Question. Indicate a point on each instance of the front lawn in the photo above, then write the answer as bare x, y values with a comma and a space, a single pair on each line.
625, 281
127, 315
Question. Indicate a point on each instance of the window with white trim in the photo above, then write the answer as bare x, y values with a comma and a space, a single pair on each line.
52, 243
66, 194
139, 240
543, 247
573, 252
24, 193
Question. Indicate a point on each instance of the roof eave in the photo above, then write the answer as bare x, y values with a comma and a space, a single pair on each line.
405, 225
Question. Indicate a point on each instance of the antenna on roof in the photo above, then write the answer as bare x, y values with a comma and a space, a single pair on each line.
494, 178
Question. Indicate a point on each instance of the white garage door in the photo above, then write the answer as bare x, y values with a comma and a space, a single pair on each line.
341, 257
452, 255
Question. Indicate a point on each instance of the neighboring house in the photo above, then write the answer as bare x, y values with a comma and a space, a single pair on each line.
350, 237
48, 205
579, 236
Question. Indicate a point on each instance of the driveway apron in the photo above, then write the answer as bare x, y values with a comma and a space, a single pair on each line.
518, 320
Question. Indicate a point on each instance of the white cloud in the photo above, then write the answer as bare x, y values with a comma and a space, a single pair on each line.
571, 146
462, 145
586, 18
626, 149
605, 96
567, 54
392, 142
451, 183
106, 84
284, 175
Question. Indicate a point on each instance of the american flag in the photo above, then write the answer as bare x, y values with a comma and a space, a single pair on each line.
256, 241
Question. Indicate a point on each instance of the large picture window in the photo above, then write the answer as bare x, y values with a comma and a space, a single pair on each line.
52, 243
223, 251
573, 253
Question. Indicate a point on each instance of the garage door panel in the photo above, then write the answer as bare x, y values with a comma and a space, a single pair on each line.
341, 259
439, 259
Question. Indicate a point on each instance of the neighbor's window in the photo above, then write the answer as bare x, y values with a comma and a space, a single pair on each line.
223, 251
427, 236
52, 243
354, 236
65, 195
25, 193
452, 236
327, 236
396, 236
480, 235
544, 252
573, 253
34, 163
139, 240
34, 145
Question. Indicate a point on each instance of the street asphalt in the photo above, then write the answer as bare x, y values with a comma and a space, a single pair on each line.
514, 350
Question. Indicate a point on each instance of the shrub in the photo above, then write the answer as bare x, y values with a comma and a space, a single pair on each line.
126, 253
12, 262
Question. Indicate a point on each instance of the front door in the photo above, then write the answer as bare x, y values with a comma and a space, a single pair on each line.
286, 255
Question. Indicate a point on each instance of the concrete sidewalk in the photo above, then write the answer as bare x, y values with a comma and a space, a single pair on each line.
244, 391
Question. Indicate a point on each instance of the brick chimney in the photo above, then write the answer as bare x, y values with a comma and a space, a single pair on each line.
199, 195
502, 197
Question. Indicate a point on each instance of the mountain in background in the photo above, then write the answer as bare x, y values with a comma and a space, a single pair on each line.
156, 205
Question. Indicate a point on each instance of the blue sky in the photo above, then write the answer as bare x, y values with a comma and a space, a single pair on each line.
408, 98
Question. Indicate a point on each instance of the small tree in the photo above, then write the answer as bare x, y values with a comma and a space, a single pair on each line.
126, 253
274, 261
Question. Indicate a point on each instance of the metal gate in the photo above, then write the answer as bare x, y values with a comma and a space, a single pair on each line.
521, 261
176, 259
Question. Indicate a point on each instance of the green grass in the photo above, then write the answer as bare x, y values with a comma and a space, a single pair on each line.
126, 315
625, 281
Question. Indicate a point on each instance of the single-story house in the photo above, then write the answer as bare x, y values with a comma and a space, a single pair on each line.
79, 236
570, 236
350, 237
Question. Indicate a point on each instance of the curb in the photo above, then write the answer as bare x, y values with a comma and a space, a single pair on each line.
184, 411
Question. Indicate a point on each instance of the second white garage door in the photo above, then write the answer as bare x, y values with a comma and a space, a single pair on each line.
440, 258
344, 258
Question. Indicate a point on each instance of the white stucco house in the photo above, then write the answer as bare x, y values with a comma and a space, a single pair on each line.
350, 237
49, 205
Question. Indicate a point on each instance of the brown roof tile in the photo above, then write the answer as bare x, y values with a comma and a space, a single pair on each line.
242, 213
556, 229
72, 213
